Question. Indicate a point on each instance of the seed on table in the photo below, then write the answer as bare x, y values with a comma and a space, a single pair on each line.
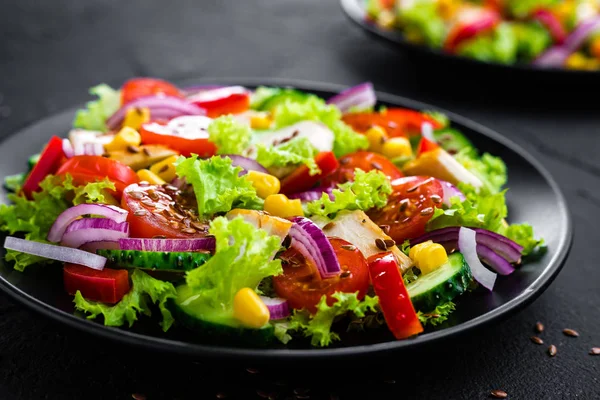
552, 350
536, 340
221, 395
138, 396
499, 394
595, 351
539, 327
570, 332
380, 244
252, 370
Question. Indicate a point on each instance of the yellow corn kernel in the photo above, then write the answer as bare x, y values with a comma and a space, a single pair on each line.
396, 147
265, 184
150, 177
249, 309
415, 251
432, 257
165, 169
280, 206
377, 137
386, 19
135, 117
125, 138
576, 61
261, 121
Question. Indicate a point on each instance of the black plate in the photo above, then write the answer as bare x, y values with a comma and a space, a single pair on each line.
355, 10
533, 197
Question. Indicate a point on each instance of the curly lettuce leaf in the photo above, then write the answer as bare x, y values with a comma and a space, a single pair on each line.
422, 23
217, 184
35, 217
243, 258
523, 235
489, 169
230, 136
97, 112
437, 316
295, 152
499, 46
294, 108
318, 326
522, 8
133, 303
532, 39
368, 190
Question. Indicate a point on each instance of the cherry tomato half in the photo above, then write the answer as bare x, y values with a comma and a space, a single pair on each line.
156, 210
141, 87
364, 160
302, 286
85, 169
395, 121
409, 207
186, 135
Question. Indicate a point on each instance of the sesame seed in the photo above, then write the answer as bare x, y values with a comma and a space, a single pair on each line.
427, 211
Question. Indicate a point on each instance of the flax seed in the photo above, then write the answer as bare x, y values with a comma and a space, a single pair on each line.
188, 230
385, 228
389, 243
536, 340
146, 151
499, 394
135, 195
570, 332
380, 244
163, 169
539, 327
147, 202
552, 350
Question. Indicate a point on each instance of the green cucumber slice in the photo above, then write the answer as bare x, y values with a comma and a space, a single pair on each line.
272, 102
442, 285
154, 260
451, 140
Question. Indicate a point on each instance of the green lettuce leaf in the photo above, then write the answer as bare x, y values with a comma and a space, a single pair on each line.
489, 169
410, 275
261, 95
217, 184
34, 218
523, 235
295, 152
136, 301
499, 46
243, 258
522, 8
437, 316
439, 117
422, 23
368, 190
310, 107
230, 136
532, 39
97, 112
318, 326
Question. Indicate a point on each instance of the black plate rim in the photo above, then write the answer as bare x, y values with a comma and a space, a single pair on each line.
199, 350
355, 12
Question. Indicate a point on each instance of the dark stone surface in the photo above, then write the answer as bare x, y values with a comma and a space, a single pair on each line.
52, 51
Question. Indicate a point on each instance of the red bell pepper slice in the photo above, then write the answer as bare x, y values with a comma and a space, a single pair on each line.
394, 300
49, 162
300, 180
473, 23
106, 286
426, 145
226, 100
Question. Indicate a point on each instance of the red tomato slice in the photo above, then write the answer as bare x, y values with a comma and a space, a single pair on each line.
300, 180
141, 87
159, 211
50, 160
227, 100
395, 121
303, 287
364, 160
187, 135
106, 286
85, 169
398, 310
409, 207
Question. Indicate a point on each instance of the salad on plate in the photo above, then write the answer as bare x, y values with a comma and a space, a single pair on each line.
256, 215
543, 33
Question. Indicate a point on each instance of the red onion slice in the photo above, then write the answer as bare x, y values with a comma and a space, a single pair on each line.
195, 89
468, 247
82, 231
450, 191
168, 244
99, 245
54, 252
310, 241
357, 97
158, 105
278, 307
215, 93
247, 164
552, 24
314, 194
68, 148
427, 132
71, 214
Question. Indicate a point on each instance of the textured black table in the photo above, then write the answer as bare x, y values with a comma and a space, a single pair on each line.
52, 51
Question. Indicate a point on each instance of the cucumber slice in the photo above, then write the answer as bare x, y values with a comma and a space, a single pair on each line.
442, 285
33, 160
451, 140
214, 325
272, 102
154, 260
13, 183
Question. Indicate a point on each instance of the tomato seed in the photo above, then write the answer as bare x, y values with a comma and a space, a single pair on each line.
552, 350
536, 340
539, 327
380, 244
570, 332
499, 394
595, 351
